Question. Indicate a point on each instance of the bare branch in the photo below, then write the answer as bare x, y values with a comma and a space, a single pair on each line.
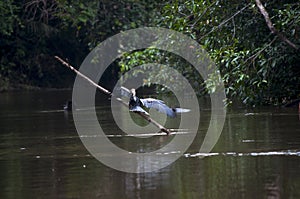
40, 10
271, 26
146, 117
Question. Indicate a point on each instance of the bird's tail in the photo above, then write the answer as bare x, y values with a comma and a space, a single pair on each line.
181, 110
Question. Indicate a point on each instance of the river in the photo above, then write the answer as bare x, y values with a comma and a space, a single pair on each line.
42, 156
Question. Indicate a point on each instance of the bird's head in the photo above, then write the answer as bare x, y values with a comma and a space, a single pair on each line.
132, 91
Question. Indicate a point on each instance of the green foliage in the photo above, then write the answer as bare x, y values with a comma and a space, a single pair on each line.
33, 31
7, 17
256, 66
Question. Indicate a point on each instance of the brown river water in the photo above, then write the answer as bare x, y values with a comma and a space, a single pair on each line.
42, 156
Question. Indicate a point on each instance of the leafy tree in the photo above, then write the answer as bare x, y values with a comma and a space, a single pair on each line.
33, 31
256, 65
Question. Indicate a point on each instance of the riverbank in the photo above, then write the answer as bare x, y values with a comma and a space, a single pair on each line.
7, 87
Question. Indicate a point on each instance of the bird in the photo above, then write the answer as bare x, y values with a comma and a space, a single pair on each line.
135, 105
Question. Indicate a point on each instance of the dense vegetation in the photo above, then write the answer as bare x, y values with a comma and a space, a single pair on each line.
259, 63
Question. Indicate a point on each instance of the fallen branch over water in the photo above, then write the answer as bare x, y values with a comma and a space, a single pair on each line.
149, 119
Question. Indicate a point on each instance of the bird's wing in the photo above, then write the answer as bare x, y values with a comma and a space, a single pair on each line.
138, 109
159, 105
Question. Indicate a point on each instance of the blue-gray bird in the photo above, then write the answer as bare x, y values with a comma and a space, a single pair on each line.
135, 105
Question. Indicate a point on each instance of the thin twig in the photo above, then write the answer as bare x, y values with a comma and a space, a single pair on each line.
233, 23
254, 56
204, 12
225, 21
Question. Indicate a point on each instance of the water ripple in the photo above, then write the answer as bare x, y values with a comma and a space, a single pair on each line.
237, 154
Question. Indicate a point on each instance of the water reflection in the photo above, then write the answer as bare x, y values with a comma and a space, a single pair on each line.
42, 156
269, 153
